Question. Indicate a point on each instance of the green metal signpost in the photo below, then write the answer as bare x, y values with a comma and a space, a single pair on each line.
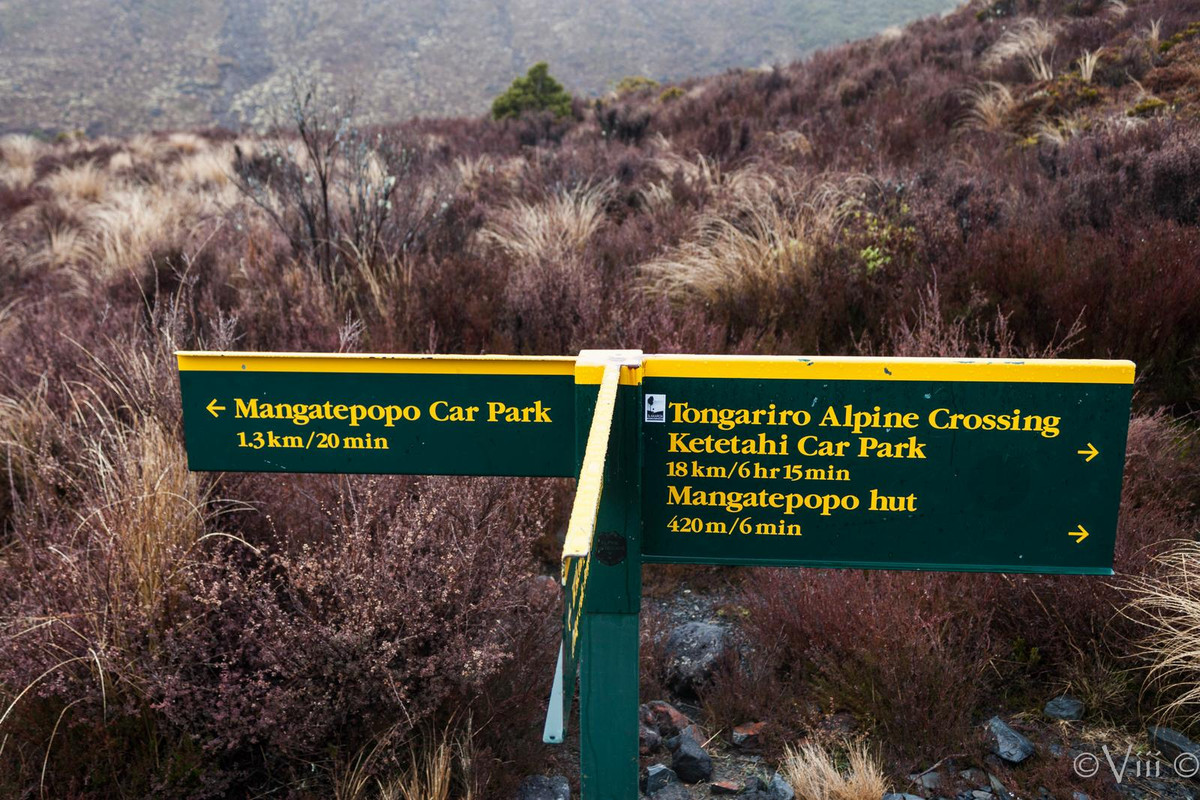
878, 463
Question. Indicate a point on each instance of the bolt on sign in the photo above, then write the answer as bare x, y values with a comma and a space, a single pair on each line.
876, 463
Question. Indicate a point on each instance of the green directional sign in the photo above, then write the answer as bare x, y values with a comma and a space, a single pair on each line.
379, 414
884, 463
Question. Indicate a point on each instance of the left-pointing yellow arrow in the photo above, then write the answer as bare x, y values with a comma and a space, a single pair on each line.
1079, 535
213, 408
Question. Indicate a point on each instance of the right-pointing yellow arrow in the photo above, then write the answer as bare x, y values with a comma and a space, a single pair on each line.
1091, 452
1079, 535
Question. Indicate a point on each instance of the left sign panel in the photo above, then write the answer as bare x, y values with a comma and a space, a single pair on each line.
443, 415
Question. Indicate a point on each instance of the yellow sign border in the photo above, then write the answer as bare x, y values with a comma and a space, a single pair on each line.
889, 369
679, 366
375, 364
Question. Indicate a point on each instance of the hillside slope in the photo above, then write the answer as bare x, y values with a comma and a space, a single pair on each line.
107, 66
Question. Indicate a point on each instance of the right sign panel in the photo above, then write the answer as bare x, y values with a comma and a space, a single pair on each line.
996, 466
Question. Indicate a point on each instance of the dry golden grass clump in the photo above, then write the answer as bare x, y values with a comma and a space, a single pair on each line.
1087, 64
208, 168
149, 503
1152, 35
439, 771
122, 466
1168, 606
1028, 40
126, 511
104, 218
472, 171
18, 155
988, 106
85, 183
63, 248
1059, 131
707, 176
754, 249
544, 248
735, 258
817, 773
555, 230
135, 222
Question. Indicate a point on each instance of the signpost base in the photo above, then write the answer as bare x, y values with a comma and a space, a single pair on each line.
608, 707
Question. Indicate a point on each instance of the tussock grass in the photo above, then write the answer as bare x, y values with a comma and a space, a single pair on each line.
657, 196
85, 183
186, 143
17, 150
1087, 64
439, 767
20, 423
121, 161
815, 774
18, 155
104, 222
1058, 131
1028, 40
1152, 35
137, 495
1048, 132
1040, 68
64, 247
989, 105
1116, 9
548, 276
1102, 684
211, 168
709, 177
134, 223
94, 463
1167, 604
436, 772
148, 502
471, 172
702, 175
731, 258
555, 230
754, 252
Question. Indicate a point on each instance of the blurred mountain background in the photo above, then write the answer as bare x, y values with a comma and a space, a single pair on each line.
120, 66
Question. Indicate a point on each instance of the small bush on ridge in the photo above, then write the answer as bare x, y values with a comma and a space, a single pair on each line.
536, 91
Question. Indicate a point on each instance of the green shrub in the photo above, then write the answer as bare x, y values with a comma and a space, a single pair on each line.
1147, 108
537, 91
634, 83
671, 93
1190, 32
